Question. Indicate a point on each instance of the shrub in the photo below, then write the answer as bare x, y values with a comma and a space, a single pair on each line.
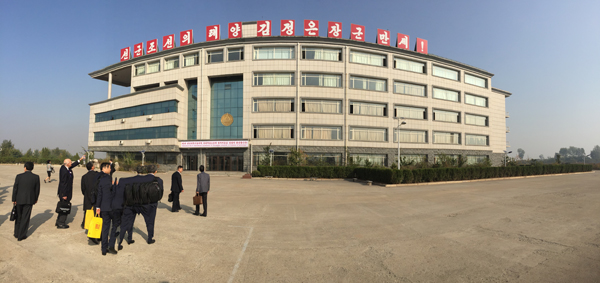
256, 173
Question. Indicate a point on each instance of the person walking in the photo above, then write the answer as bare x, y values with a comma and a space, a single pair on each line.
65, 189
130, 211
176, 188
89, 191
149, 210
104, 208
202, 188
26, 192
49, 170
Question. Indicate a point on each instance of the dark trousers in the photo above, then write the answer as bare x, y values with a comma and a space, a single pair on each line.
127, 221
22, 221
149, 213
176, 204
109, 218
204, 195
61, 220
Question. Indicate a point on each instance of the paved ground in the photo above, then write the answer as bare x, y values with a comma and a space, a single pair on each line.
525, 230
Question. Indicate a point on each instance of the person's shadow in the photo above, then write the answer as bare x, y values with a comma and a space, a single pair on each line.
72, 214
38, 220
3, 194
188, 209
141, 233
4, 217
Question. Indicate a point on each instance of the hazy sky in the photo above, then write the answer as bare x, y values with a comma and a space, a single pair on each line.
545, 52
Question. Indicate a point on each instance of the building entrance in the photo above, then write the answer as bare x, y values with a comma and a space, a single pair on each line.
225, 163
190, 162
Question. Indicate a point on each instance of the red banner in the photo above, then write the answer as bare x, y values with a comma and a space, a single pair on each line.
186, 37
421, 46
263, 28
138, 50
151, 46
213, 33
383, 37
235, 30
334, 29
311, 28
168, 42
125, 53
288, 27
403, 41
357, 32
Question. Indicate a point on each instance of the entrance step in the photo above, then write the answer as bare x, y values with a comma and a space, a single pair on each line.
237, 174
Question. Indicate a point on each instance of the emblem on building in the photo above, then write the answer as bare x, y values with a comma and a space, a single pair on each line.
226, 119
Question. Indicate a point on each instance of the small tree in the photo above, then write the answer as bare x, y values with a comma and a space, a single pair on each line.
266, 157
521, 153
296, 157
557, 158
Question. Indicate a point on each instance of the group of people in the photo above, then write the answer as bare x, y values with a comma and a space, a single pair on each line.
105, 197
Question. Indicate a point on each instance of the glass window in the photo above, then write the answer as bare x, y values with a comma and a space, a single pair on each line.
140, 110
321, 133
476, 100
190, 60
273, 105
368, 134
269, 53
446, 116
361, 159
446, 94
410, 112
410, 136
414, 158
321, 54
368, 58
410, 89
473, 80
477, 120
172, 63
475, 159
273, 132
476, 140
446, 138
408, 65
368, 83
137, 134
452, 158
333, 159
321, 80
154, 67
371, 109
445, 73
140, 69
274, 79
215, 56
235, 54
321, 106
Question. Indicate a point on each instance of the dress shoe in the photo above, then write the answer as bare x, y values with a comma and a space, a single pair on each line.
196, 213
95, 241
103, 253
112, 251
82, 227
63, 226
150, 242
44, 181
203, 214
23, 238
130, 242
120, 247
174, 210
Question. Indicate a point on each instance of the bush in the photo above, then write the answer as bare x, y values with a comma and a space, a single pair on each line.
256, 173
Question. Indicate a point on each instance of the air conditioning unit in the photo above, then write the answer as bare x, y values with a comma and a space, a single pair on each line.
122, 120
121, 142
149, 141
149, 117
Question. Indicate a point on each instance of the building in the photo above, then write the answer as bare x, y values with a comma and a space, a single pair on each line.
221, 102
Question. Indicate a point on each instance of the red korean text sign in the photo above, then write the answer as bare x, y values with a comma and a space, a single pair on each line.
125, 53
288, 27
311, 28
263, 28
186, 37
138, 50
383, 37
213, 33
357, 32
334, 29
235, 30
421, 46
151, 46
403, 41
168, 42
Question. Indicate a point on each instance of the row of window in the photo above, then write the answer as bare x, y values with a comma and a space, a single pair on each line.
139, 110
137, 134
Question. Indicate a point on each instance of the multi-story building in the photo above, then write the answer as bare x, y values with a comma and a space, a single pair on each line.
221, 103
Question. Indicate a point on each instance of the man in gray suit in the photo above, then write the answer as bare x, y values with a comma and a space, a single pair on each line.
25, 194
202, 189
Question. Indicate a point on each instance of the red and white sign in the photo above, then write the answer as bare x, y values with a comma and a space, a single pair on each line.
383, 37
357, 32
186, 37
168, 42
311, 28
288, 27
151, 46
235, 30
125, 53
334, 29
213, 33
213, 144
263, 28
403, 41
421, 46
138, 50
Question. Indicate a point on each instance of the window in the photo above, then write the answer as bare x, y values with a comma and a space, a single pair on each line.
361, 159
321, 106
368, 58
235, 54
476, 140
408, 65
153, 67
274, 79
410, 89
321, 54
476, 120
411, 136
411, 158
449, 158
140, 69
269, 53
140, 110
446, 94
410, 112
476, 100
475, 159
446, 116
445, 73
368, 83
215, 56
137, 134
446, 138
316, 159
371, 109
321, 133
171, 63
190, 60
273, 132
473, 80
368, 134
321, 80
273, 105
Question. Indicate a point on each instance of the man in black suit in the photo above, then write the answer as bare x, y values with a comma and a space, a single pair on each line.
202, 188
65, 189
112, 167
104, 208
130, 211
88, 189
26, 191
176, 188
149, 210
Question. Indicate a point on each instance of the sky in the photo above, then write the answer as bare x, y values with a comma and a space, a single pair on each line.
546, 53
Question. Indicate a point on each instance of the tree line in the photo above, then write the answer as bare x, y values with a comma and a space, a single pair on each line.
10, 154
569, 154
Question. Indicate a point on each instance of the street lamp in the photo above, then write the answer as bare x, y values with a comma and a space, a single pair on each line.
505, 153
589, 155
400, 123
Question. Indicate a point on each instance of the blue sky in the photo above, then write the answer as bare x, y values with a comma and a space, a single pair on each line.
544, 52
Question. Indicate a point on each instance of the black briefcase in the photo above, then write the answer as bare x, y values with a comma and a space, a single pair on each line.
13, 214
171, 197
63, 207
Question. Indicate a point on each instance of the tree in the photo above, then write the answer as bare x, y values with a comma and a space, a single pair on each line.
595, 154
296, 157
541, 157
521, 153
29, 153
7, 147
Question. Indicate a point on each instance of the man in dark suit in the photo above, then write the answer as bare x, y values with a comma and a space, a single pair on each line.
26, 191
149, 210
88, 189
112, 167
202, 188
65, 189
129, 212
176, 188
104, 208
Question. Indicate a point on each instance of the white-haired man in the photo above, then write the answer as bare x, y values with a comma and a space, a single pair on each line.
65, 189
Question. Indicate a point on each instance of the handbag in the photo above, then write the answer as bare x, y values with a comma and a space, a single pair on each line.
197, 200
95, 227
52, 169
171, 197
63, 207
89, 214
13, 214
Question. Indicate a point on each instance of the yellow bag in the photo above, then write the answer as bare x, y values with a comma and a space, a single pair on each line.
89, 214
95, 228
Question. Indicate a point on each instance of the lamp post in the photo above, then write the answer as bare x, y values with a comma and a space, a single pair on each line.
400, 123
505, 153
589, 155
143, 156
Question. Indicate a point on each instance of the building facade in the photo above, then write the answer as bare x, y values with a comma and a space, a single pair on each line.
222, 103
